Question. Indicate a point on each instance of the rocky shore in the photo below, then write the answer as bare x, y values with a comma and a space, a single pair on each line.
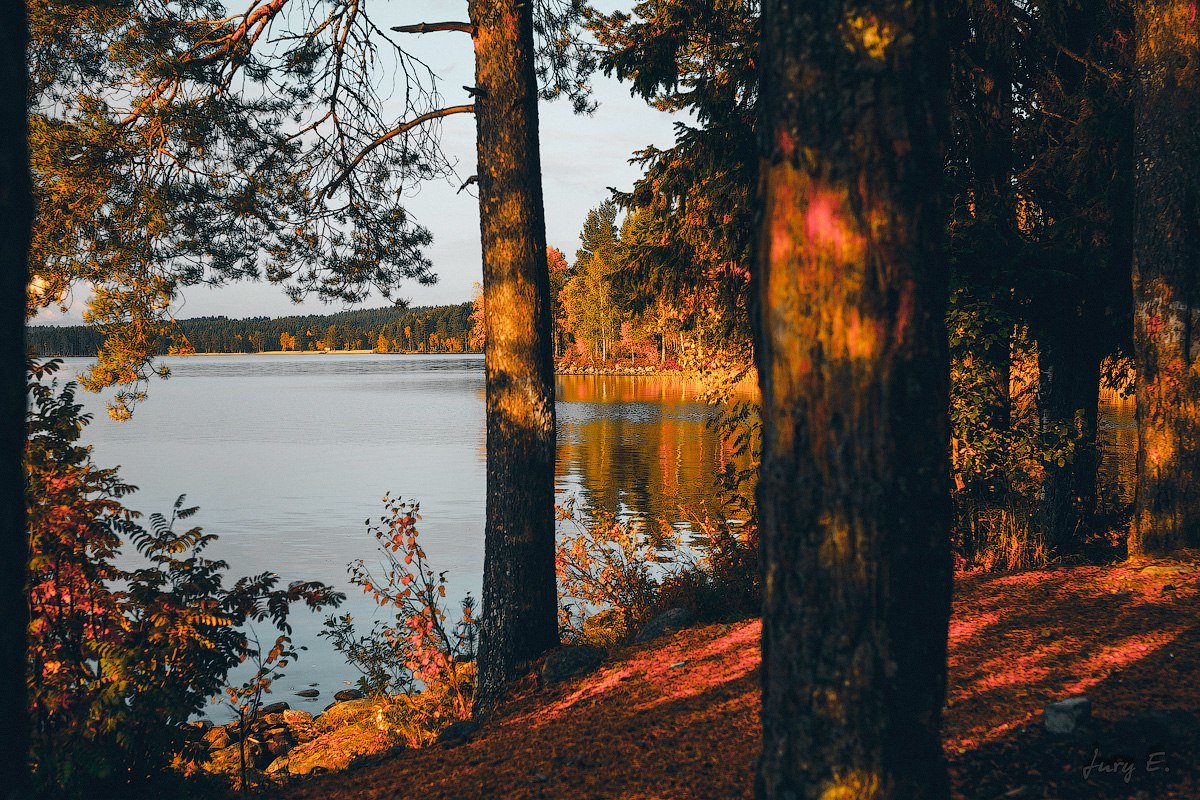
282, 742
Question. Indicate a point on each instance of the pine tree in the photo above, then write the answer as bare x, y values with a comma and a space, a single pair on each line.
1166, 278
851, 349
1076, 275
519, 619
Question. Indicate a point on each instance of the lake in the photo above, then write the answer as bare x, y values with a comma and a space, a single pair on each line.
286, 456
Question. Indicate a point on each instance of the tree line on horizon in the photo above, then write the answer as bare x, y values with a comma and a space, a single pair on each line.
425, 329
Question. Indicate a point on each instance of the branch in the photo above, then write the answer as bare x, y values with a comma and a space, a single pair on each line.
434, 27
252, 24
392, 134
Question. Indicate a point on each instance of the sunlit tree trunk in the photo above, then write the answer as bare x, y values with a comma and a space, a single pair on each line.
854, 490
519, 620
1166, 277
16, 218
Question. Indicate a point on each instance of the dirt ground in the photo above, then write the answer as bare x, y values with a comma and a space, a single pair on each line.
678, 718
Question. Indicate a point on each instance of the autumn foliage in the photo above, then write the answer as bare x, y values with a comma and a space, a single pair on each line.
419, 658
615, 574
121, 656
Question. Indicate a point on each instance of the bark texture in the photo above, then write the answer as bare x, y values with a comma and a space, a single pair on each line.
1166, 285
16, 218
520, 619
854, 492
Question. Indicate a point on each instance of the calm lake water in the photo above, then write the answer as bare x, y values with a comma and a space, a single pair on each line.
286, 456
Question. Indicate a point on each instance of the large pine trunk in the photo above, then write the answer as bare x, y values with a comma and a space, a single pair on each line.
1166, 277
854, 492
519, 621
16, 217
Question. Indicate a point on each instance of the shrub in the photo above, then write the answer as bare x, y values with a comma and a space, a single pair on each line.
607, 563
614, 575
723, 581
120, 658
419, 659
1000, 448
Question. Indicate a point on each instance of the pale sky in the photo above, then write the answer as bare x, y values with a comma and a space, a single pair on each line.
581, 155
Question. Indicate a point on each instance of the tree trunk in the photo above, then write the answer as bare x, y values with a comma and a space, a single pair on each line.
16, 218
519, 620
1069, 395
990, 151
854, 492
1072, 305
1166, 278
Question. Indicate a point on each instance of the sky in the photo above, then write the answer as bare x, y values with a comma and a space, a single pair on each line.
581, 156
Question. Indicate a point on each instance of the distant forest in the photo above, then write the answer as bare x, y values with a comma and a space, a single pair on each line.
437, 329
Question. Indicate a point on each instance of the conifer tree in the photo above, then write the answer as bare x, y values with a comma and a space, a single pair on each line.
851, 349
1166, 278
519, 619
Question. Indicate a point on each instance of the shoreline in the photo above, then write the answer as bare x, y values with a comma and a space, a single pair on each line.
619, 370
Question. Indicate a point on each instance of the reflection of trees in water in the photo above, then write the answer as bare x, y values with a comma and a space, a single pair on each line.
638, 446
642, 445
1118, 451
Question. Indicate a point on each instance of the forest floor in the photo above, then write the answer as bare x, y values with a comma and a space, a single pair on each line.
678, 717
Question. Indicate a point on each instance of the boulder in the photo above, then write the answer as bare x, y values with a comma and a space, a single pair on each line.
264, 723
294, 717
344, 713
278, 742
1068, 715
346, 695
217, 738
228, 760
309, 693
457, 733
274, 708
333, 750
566, 662
670, 620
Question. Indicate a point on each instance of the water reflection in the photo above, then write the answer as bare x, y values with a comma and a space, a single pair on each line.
1118, 450
637, 445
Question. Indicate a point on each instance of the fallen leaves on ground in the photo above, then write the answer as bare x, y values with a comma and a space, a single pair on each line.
677, 718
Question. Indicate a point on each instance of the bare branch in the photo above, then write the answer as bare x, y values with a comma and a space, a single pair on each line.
393, 133
435, 27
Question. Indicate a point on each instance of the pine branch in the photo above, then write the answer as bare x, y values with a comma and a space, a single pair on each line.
435, 27
393, 133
